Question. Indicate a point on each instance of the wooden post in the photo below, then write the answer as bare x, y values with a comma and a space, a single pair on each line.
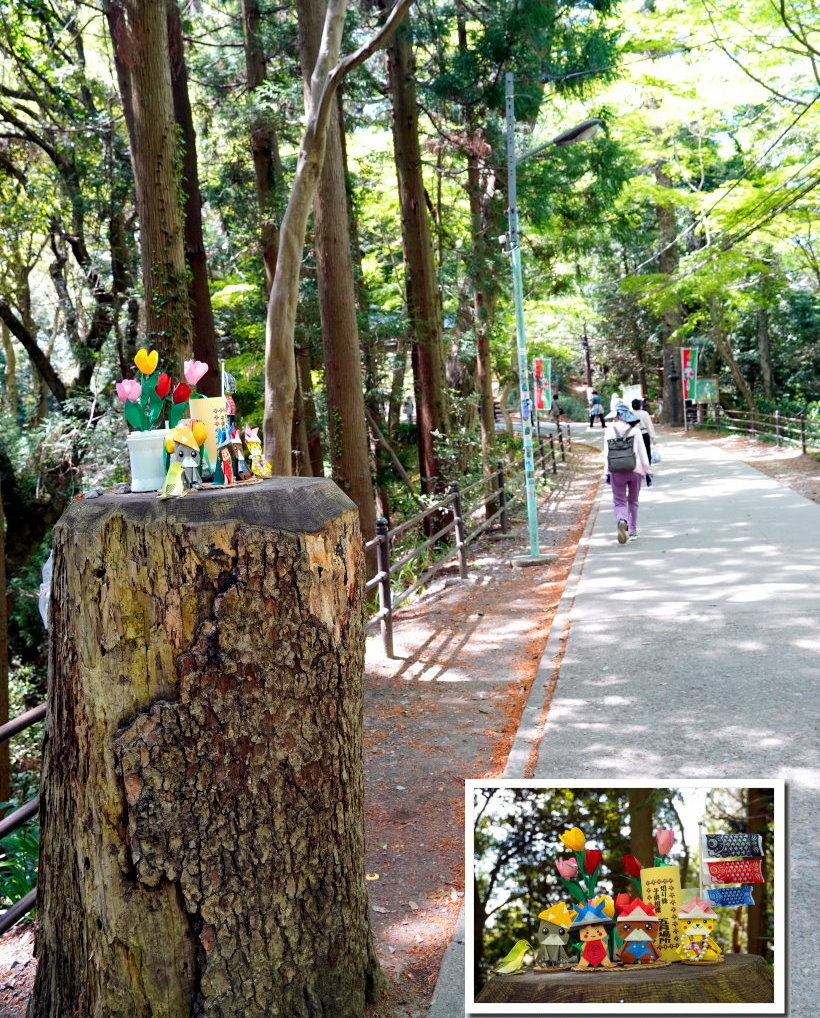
458, 522
561, 445
385, 594
552, 453
502, 496
202, 795
542, 457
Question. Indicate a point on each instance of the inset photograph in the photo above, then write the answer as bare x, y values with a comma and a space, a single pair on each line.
638, 898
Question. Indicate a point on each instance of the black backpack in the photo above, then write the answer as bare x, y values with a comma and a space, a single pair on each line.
620, 455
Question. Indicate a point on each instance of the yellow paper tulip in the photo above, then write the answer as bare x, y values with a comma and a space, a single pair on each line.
574, 839
200, 432
609, 904
146, 362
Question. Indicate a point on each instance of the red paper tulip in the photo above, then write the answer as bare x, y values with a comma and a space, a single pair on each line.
592, 860
665, 838
182, 393
163, 385
632, 866
622, 902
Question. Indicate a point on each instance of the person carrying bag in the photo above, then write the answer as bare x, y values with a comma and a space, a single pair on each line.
626, 464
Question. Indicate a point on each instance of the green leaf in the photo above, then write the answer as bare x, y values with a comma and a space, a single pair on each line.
150, 381
176, 413
135, 416
155, 406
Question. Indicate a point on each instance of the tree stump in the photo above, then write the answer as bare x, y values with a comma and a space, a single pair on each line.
743, 978
202, 801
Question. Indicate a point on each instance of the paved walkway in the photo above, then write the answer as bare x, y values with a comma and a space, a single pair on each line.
693, 652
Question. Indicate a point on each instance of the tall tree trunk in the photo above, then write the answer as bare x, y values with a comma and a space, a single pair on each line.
202, 828
723, 345
667, 263
764, 349
347, 429
641, 840
422, 291
280, 360
267, 166
5, 773
11, 400
314, 432
759, 920
139, 32
199, 292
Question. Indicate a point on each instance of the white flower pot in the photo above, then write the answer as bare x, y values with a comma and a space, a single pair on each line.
145, 449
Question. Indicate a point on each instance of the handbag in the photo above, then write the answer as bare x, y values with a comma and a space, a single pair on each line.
655, 457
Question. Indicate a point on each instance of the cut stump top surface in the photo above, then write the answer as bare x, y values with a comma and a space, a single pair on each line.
295, 504
745, 978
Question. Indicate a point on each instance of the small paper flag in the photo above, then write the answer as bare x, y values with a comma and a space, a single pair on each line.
738, 871
723, 845
730, 897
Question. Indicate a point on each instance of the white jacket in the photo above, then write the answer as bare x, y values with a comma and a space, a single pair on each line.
619, 428
645, 423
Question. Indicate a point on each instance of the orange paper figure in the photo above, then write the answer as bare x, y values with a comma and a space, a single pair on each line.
697, 920
638, 927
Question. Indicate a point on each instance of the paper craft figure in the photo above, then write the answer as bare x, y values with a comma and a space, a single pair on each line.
223, 470
514, 961
638, 927
259, 465
242, 472
183, 449
553, 937
696, 947
591, 926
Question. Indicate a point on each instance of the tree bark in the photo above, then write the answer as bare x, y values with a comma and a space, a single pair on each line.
199, 291
5, 775
641, 841
759, 920
10, 399
427, 355
764, 349
202, 805
139, 32
667, 263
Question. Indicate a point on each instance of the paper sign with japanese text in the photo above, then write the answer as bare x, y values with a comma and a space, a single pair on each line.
661, 888
211, 411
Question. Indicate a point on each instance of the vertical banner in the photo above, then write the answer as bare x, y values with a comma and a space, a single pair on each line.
689, 370
538, 379
660, 887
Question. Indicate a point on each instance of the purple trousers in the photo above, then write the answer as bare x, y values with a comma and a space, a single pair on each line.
626, 488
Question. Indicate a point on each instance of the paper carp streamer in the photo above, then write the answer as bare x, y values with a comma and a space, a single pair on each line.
722, 845
739, 871
730, 897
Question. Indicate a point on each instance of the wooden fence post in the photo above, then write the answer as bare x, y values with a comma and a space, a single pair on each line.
803, 432
202, 846
502, 497
561, 444
542, 456
385, 594
552, 451
458, 526
777, 426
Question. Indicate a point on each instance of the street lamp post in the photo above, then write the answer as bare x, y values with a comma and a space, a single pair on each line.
581, 132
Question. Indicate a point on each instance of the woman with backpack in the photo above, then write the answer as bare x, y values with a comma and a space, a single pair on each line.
625, 466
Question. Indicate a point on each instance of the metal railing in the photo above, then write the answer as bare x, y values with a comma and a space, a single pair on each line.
18, 909
463, 521
798, 431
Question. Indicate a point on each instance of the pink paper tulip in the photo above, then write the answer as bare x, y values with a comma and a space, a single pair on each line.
666, 839
567, 868
128, 389
194, 370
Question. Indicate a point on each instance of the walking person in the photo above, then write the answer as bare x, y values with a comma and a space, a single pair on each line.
626, 464
596, 409
645, 424
556, 410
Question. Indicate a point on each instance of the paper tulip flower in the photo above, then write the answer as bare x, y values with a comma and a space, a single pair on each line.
194, 370
128, 389
592, 860
182, 393
164, 384
567, 868
665, 839
623, 902
146, 362
574, 839
632, 866
200, 432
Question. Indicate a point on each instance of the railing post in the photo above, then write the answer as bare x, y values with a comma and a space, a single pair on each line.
717, 415
458, 521
561, 443
502, 497
569, 438
803, 431
385, 597
542, 456
753, 423
552, 451
777, 426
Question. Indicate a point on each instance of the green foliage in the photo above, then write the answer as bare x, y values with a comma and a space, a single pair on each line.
18, 863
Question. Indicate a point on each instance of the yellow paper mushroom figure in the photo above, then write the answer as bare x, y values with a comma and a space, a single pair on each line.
696, 947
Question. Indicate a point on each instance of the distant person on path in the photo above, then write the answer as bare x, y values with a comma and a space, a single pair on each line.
409, 409
625, 466
596, 409
555, 408
646, 426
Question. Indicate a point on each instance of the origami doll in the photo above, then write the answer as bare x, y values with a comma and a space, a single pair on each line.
697, 920
183, 471
259, 465
553, 937
242, 472
638, 927
591, 926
